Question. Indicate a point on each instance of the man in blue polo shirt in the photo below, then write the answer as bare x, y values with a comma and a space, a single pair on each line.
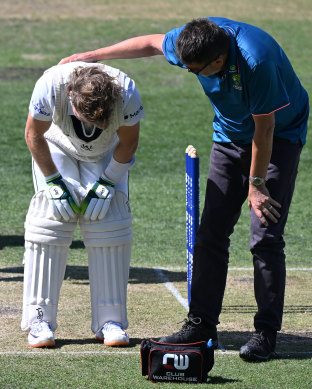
260, 126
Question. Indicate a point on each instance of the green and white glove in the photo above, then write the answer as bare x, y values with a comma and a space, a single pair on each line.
96, 203
60, 198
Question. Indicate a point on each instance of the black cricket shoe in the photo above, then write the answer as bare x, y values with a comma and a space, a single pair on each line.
192, 331
260, 347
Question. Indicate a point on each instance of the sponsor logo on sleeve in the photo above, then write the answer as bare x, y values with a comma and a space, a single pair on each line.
134, 114
40, 109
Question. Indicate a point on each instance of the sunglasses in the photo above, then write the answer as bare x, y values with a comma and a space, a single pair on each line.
196, 72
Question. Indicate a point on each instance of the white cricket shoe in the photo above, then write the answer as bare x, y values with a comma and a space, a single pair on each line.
113, 335
40, 334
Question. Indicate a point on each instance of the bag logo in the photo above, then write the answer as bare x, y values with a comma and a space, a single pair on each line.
180, 362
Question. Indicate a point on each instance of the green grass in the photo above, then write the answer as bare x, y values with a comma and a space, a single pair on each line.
177, 114
80, 372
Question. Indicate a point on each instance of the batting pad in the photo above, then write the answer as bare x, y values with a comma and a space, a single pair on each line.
42, 227
44, 270
46, 247
108, 275
108, 244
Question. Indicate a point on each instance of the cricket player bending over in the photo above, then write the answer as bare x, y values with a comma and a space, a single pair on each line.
82, 131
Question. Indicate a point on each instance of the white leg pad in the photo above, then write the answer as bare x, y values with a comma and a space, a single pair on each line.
108, 274
42, 227
46, 247
44, 271
109, 243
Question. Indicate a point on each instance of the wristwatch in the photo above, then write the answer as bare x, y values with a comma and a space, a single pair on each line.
256, 180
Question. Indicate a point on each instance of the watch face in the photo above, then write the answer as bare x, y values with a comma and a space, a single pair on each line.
257, 180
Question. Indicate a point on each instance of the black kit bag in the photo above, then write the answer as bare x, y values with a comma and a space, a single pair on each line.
184, 363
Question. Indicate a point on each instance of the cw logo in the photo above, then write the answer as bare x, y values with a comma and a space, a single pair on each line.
181, 362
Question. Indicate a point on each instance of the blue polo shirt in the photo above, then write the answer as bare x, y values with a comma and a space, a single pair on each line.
258, 80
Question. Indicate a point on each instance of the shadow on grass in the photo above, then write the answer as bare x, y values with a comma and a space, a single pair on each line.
11, 241
137, 275
218, 380
18, 241
288, 346
92, 340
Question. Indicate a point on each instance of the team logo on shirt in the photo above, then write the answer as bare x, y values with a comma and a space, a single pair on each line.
236, 81
40, 109
86, 147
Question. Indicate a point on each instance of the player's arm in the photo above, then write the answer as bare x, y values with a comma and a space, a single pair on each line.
128, 143
124, 153
137, 47
63, 201
259, 197
38, 146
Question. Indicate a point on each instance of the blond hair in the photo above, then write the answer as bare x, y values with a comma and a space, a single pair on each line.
94, 94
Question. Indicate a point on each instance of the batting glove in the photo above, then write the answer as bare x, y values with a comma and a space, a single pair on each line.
60, 198
96, 203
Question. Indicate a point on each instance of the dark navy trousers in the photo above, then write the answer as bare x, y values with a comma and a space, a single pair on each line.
226, 191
